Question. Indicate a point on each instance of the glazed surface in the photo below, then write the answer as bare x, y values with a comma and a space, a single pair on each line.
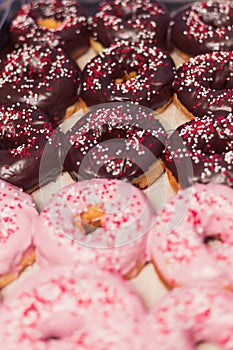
201, 151
151, 87
203, 27
40, 76
68, 21
17, 224
190, 316
55, 308
141, 21
117, 243
180, 244
26, 133
114, 140
204, 84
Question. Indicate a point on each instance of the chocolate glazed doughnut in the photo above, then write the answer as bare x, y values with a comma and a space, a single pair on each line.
118, 141
41, 76
201, 151
203, 27
52, 22
138, 20
204, 84
25, 131
129, 73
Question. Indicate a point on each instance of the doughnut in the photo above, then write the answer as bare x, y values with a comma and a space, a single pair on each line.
141, 21
52, 22
61, 308
204, 84
26, 133
17, 223
121, 141
202, 27
100, 222
42, 77
188, 317
201, 151
191, 241
129, 73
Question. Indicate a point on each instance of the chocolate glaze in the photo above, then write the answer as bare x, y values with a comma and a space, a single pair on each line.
71, 35
118, 141
204, 83
40, 76
152, 87
26, 133
202, 150
203, 27
140, 20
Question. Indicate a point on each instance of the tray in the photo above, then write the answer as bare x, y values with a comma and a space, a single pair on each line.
147, 283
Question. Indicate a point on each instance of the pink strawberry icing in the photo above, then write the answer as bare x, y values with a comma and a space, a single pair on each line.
17, 222
186, 317
118, 244
66, 308
180, 244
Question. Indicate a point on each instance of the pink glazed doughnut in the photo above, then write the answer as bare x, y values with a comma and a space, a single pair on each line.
17, 222
192, 240
100, 222
62, 308
186, 317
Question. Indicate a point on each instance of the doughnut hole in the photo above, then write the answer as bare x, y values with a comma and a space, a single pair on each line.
91, 219
52, 327
127, 76
49, 23
213, 240
221, 79
202, 345
218, 77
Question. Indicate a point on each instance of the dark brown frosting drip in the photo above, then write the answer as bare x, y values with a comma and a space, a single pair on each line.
71, 33
40, 76
202, 150
26, 133
203, 27
152, 86
204, 83
140, 20
118, 141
